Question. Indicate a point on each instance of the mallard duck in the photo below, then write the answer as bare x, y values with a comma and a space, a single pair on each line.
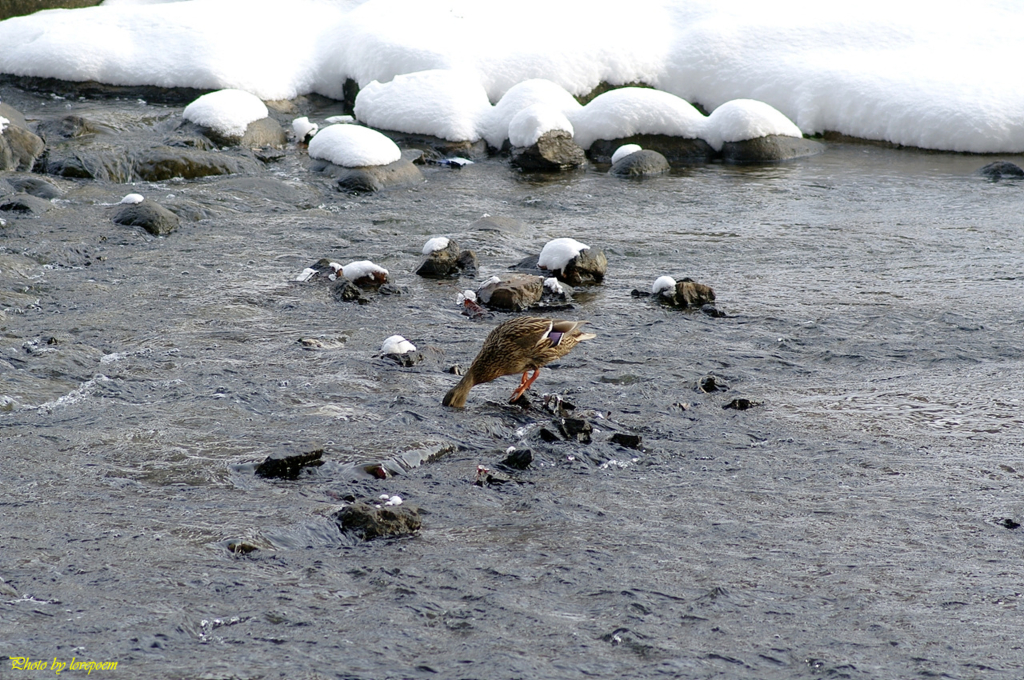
519, 345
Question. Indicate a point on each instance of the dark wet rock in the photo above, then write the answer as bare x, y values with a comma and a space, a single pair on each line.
166, 162
346, 291
548, 436
587, 268
448, 261
435, 148
369, 519
555, 150
323, 272
1007, 522
504, 225
769, 149
556, 292
630, 441
68, 127
713, 311
24, 205
19, 148
149, 215
288, 466
408, 359
518, 459
372, 177
643, 163
741, 404
485, 477
688, 293
262, 132
457, 369
93, 160
578, 429
710, 383
391, 289
513, 293
37, 186
267, 155
241, 548
676, 150
1002, 170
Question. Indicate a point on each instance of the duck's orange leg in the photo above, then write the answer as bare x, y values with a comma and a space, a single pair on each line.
524, 384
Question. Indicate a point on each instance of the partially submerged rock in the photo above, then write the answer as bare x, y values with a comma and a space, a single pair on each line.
149, 215
370, 518
288, 466
685, 293
643, 163
445, 261
372, 177
1002, 170
166, 162
676, 150
554, 150
36, 186
769, 149
512, 293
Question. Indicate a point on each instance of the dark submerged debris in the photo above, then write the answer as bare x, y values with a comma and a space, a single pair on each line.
741, 404
285, 466
630, 441
1002, 170
518, 459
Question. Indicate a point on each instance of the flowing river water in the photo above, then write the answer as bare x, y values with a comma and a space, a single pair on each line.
857, 522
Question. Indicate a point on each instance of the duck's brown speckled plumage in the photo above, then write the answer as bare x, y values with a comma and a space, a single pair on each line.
519, 345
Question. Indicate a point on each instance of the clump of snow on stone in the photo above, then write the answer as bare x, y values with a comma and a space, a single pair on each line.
443, 103
3, 124
625, 150
636, 111
491, 281
306, 275
557, 253
331, 120
663, 284
552, 284
353, 146
741, 119
520, 96
396, 344
528, 125
465, 295
357, 270
228, 112
436, 243
302, 128
132, 198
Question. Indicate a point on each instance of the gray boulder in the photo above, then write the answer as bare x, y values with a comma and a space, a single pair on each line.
1002, 170
166, 162
769, 149
262, 132
149, 215
374, 177
37, 186
24, 205
555, 150
446, 262
644, 163
676, 150
512, 293
587, 268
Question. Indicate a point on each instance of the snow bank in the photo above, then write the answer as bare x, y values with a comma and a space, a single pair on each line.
877, 70
228, 112
520, 96
353, 146
557, 253
636, 111
447, 104
528, 125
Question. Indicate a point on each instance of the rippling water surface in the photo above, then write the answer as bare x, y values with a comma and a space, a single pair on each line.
853, 524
